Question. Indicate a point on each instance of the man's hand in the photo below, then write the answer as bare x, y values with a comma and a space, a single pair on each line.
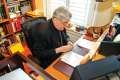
112, 33
63, 49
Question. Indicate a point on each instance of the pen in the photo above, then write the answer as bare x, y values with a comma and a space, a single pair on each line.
9, 67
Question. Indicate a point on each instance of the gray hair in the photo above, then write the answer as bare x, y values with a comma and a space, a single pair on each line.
62, 14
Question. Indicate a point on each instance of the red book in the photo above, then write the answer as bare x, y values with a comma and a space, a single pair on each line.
13, 26
18, 24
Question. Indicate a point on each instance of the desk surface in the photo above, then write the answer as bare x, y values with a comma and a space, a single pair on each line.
61, 76
17, 61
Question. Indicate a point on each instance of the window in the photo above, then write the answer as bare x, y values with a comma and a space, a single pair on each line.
80, 9
52, 5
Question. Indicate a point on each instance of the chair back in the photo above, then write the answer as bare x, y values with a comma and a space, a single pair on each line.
30, 27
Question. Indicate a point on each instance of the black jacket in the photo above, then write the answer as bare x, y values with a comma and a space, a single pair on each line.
45, 42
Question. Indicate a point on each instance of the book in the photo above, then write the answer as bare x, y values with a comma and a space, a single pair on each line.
2, 12
16, 47
16, 25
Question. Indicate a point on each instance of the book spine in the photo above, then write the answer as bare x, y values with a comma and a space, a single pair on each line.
13, 26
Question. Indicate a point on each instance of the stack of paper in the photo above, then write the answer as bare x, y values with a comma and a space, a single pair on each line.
72, 58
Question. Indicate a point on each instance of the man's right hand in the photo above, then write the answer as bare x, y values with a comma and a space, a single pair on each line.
63, 49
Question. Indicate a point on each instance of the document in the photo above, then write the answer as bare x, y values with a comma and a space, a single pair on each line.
81, 48
72, 58
85, 43
17, 74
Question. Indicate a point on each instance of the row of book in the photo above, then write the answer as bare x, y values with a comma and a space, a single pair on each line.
2, 11
10, 28
17, 8
11, 1
14, 9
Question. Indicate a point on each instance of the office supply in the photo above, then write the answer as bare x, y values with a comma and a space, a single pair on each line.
9, 67
72, 58
17, 74
109, 48
96, 69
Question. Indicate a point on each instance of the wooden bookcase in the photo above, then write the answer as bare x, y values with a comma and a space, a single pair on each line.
11, 16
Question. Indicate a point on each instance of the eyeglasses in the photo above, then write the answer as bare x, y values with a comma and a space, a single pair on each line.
65, 23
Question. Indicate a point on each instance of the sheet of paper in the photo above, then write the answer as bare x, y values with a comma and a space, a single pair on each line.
17, 74
72, 58
85, 43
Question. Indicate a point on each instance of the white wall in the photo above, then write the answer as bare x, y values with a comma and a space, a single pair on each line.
103, 13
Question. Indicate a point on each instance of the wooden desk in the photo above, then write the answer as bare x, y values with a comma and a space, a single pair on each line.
18, 61
61, 76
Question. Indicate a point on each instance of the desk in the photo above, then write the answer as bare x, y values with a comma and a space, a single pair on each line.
61, 76
18, 60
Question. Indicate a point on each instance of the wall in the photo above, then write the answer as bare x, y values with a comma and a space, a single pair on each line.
39, 4
103, 13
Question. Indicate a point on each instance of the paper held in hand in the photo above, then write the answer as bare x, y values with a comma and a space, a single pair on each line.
81, 48
72, 58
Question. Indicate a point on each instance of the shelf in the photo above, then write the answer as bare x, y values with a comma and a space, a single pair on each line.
4, 20
7, 35
12, 2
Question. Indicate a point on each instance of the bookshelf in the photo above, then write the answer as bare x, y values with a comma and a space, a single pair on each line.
11, 16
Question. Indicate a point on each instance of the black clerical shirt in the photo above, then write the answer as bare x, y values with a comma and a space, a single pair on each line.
46, 41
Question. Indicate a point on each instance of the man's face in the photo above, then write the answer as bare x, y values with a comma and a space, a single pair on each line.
60, 25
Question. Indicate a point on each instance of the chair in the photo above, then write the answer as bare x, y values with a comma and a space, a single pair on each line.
108, 46
97, 70
28, 29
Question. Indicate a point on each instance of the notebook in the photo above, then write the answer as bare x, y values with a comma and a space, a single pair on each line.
74, 57
81, 48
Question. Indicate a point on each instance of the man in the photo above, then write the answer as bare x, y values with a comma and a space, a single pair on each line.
52, 41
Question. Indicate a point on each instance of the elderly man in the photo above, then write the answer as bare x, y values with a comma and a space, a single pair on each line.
52, 41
